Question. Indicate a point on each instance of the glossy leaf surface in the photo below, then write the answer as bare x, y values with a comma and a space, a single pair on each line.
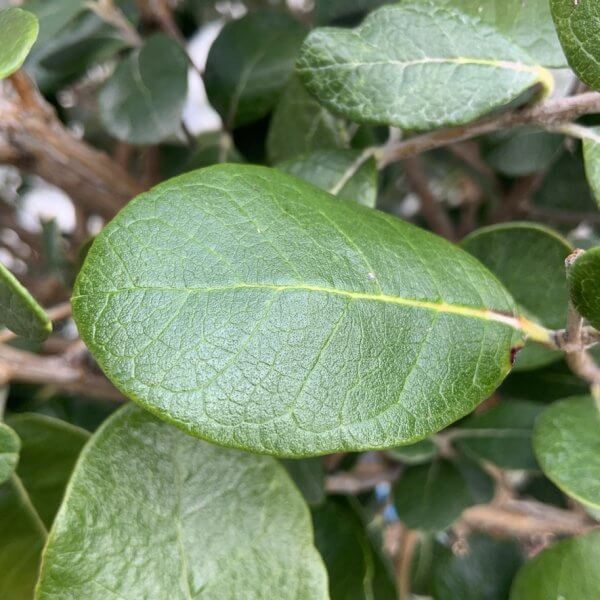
142, 102
18, 32
19, 311
584, 286
200, 521
233, 302
567, 445
392, 71
9, 451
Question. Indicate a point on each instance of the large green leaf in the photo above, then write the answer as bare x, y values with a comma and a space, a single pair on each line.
143, 100
254, 310
19, 311
528, 258
591, 155
567, 570
501, 435
50, 448
344, 173
18, 32
584, 286
393, 71
22, 537
9, 451
577, 23
300, 125
250, 63
567, 445
200, 521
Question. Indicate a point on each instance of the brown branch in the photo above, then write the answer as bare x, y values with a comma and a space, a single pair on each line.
551, 112
33, 139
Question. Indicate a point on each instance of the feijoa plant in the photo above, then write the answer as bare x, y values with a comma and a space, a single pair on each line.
351, 315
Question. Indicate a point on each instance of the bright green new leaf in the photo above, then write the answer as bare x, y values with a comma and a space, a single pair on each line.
567, 570
50, 448
300, 125
22, 537
254, 310
567, 445
18, 32
343, 173
591, 155
142, 102
528, 258
9, 451
415, 454
584, 286
19, 311
578, 23
200, 521
501, 435
250, 63
392, 71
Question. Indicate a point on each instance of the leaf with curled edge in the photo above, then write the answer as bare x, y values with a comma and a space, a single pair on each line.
256, 311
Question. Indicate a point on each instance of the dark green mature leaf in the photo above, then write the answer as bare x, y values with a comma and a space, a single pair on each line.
485, 570
300, 125
49, 451
18, 32
143, 100
233, 302
415, 454
199, 520
9, 451
250, 63
577, 23
431, 497
309, 475
19, 311
568, 569
327, 11
343, 173
584, 286
501, 435
591, 155
341, 539
392, 71
528, 258
567, 445
22, 537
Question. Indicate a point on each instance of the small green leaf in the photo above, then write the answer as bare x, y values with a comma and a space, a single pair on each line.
415, 454
245, 320
577, 23
527, 258
9, 451
485, 570
22, 537
250, 63
142, 102
343, 173
501, 435
432, 496
567, 445
200, 521
392, 71
18, 32
49, 451
584, 286
309, 476
568, 569
300, 125
19, 311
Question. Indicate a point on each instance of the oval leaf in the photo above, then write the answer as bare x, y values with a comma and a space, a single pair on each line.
199, 520
392, 71
18, 32
257, 311
9, 451
567, 445
584, 286
568, 569
528, 258
19, 311
250, 63
143, 100
577, 23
